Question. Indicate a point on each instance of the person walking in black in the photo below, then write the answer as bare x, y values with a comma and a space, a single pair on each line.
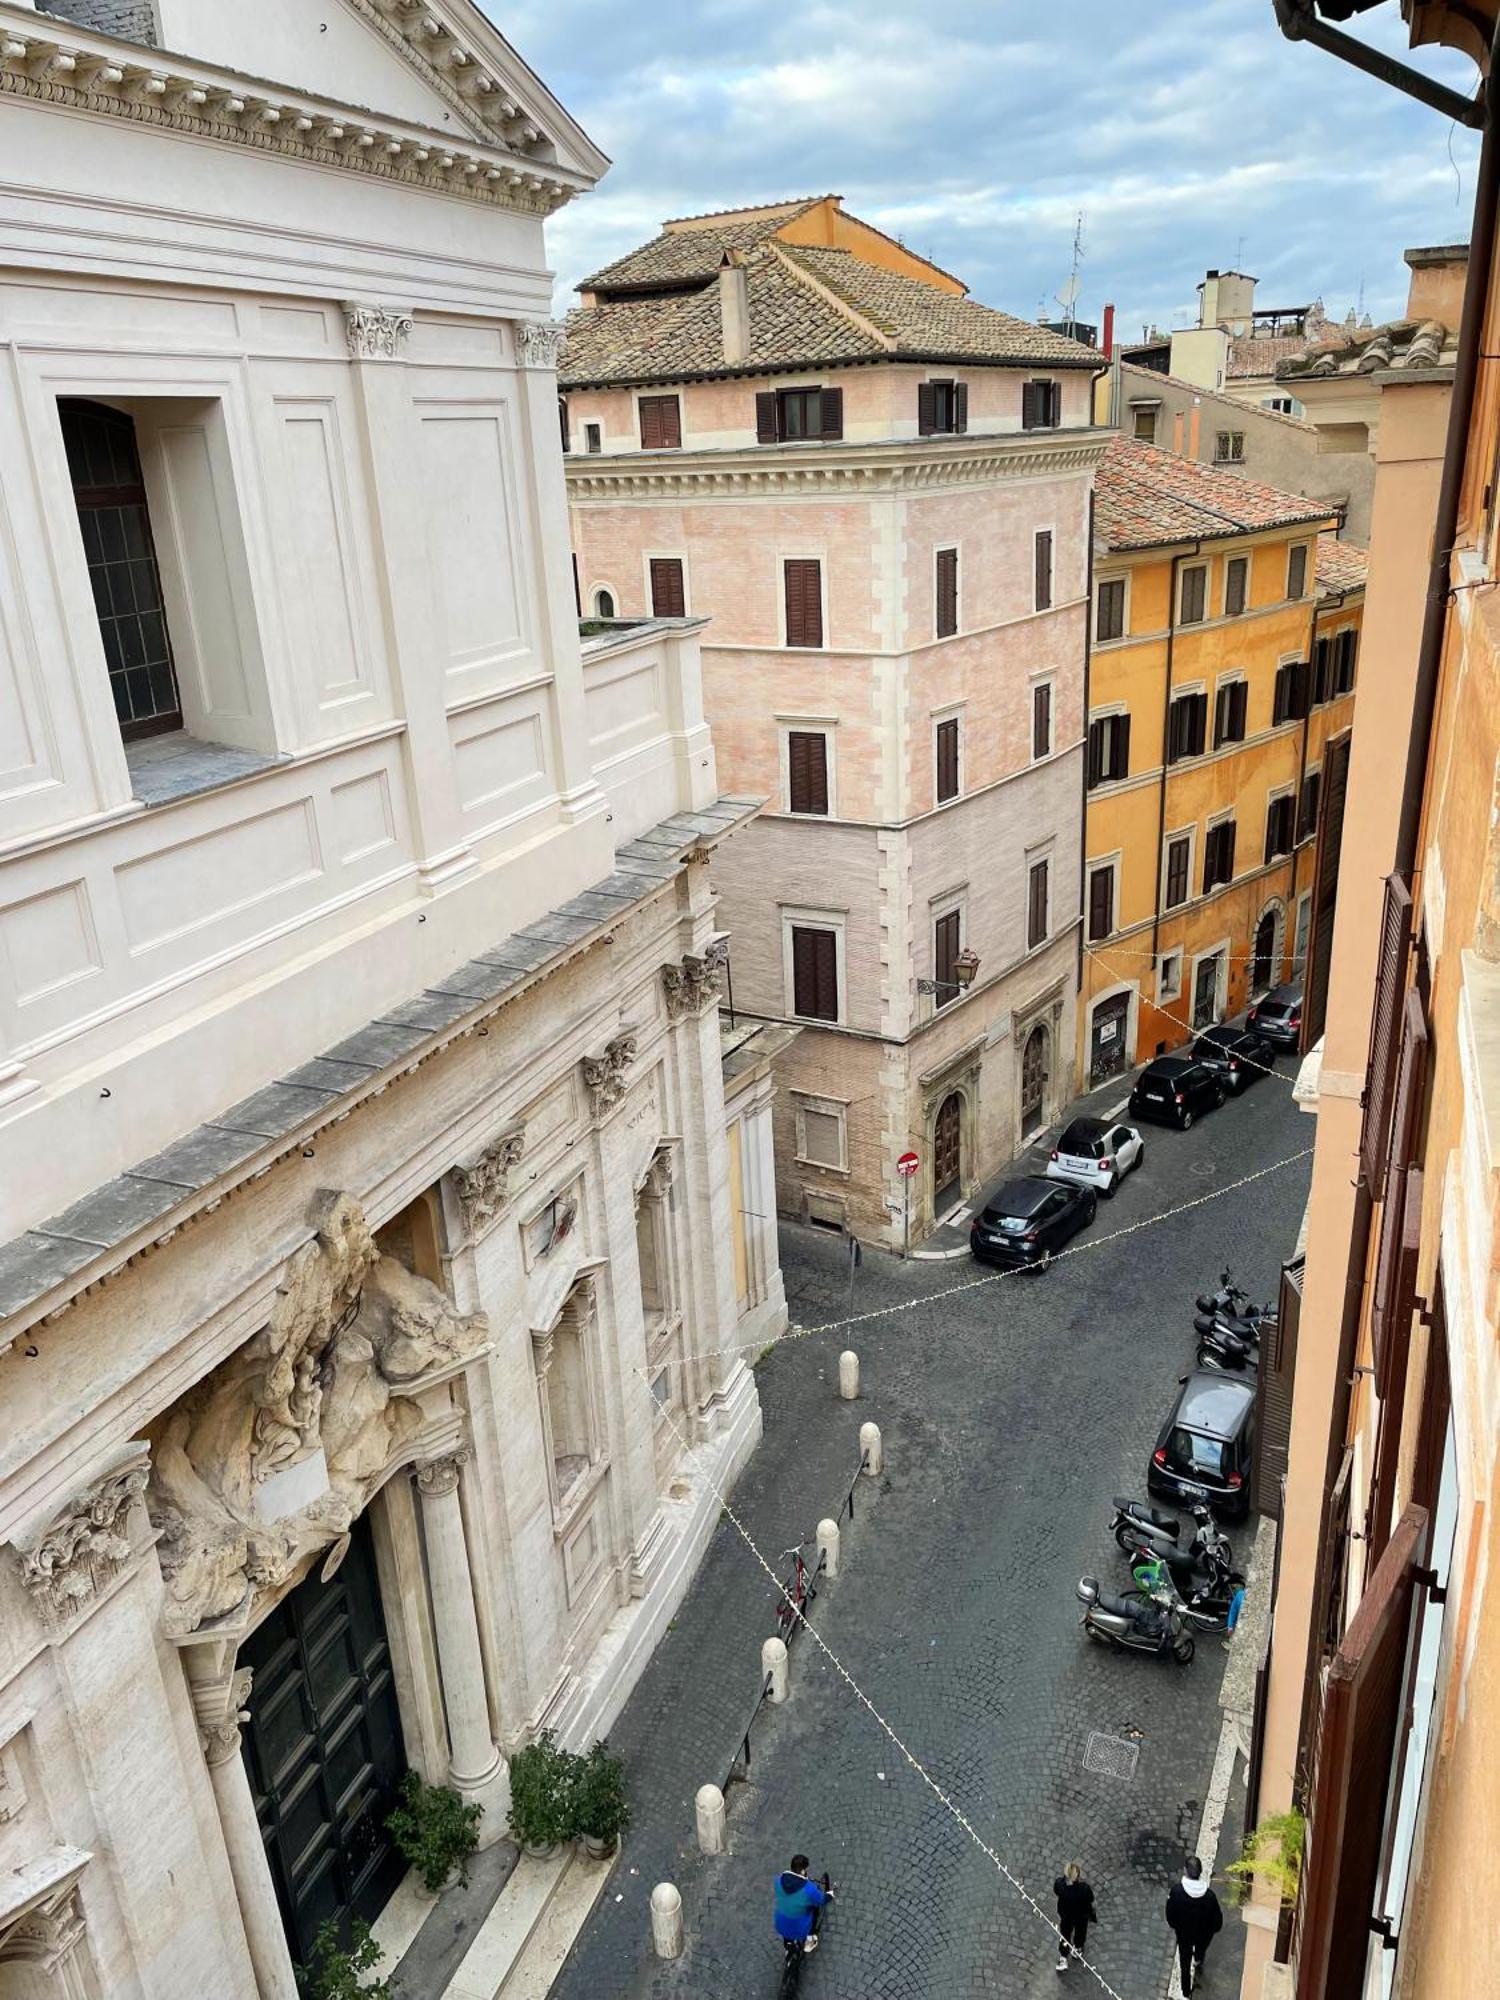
1075, 1912
1195, 1918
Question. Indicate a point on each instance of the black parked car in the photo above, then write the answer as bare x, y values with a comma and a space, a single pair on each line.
1176, 1089
1207, 1445
1029, 1221
1237, 1056
1278, 1016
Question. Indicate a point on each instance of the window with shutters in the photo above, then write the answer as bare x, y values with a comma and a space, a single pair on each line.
815, 972
1218, 855
1109, 608
1290, 694
1345, 646
1231, 703
942, 407
1325, 874
1177, 870
1038, 902
1041, 570
945, 752
1322, 673
946, 945
1143, 422
1041, 720
945, 592
1296, 570
1377, 1136
1229, 448
1187, 726
1108, 749
661, 423
807, 771
1192, 595
1041, 405
1280, 813
668, 587
1236, 585
1307, 806
803, 581
785, 416
1101, 901
593, 437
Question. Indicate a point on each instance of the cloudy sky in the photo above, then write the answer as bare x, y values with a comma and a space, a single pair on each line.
1189, 134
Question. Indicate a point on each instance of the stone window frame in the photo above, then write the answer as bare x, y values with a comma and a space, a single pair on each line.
796, 916
1164, 989
576, 1325
1120, 576
826, 726
1189, 833
954, 712
829, 1107
615, 597
663, 1324
677, 555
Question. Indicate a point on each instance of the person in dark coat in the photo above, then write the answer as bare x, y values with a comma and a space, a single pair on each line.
1075, 1912
1195, 1918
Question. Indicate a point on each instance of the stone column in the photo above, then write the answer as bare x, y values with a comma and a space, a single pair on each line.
475, 1767
269, 1956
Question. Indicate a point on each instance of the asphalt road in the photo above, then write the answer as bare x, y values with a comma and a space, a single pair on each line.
1012, 1410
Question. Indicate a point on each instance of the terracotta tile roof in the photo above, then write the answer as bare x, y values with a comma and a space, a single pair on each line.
807, 307
1147, 498
1400, 344
692, 251
1339, 565
1260, 353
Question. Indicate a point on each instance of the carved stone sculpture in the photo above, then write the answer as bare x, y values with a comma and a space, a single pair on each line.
83, 1547
604, 1076
696, 983
484, 1183
376, 333
539, 343
274, 1454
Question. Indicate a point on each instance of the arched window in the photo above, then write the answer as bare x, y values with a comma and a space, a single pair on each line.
604, 604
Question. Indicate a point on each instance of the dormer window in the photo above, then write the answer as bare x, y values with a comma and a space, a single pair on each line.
942, 406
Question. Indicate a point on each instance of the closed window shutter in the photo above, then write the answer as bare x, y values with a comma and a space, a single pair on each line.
1226, 865
1101, 902
1239, 704
926, 409
1385, 1028
815, 982
945, 953
1041, 721
1198, 723
1234, 587
1400, 1213
668, 596
1036, 915
960, 406
1043, 569
1221, 716
671, 422
1397, 1269
661, 424
1095, 771
1177, 872
807, 770
947, 759
833, 413
804, 603
1030, 400
1271, 816
1325, 887
947, 592
765, 416
1296, 571
562, 418
1121, 765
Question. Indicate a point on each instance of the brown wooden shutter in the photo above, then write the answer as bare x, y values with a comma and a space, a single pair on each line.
1197, 724
1393, 1356
815, 978
1094, 772
945, 954
1041, 721
1030, 405
1325, 888
1121, 765
1239, 707
807, 770
1357, 1745
661, 423
668, 594
1226, 834
562, 418
926, 409
671, 422
765, 416
1437, 1402
577, 591
1385, 1024
1042, 580
1036, 910
960, 406
1390, 1312
947, 759
1101, 902
804, 602
947, 593
833, 413
1273, 1394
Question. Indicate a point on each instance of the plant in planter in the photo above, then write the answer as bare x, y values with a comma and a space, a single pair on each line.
436, 1830
542, 1785
337, 1974
1273, 1852
600, 1810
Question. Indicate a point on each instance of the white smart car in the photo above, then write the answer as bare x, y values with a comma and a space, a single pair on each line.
1097, 1154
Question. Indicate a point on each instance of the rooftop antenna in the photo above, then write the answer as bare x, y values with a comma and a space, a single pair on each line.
1067, 298
1239, 253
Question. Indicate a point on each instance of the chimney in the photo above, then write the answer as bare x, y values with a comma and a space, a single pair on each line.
734, 307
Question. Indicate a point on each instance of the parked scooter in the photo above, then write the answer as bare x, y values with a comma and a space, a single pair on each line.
1133, 1624
1211, 1606
1223, 1352
1136, 1525
1232, 1302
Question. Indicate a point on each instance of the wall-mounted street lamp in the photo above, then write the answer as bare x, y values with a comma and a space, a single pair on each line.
964, 968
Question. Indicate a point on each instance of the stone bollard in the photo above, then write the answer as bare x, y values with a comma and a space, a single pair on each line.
869, 1447
828, 1546
773, 1665
709, 1806
849, 1375
666, 1920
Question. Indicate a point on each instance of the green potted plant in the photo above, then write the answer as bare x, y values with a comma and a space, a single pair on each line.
541, 1796
1273, 1852
600, 1811
436, 1830
337, 1974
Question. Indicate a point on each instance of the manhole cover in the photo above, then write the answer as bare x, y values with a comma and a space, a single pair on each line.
1111, 1756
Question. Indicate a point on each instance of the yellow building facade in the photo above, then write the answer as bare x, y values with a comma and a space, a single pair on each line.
1223, 661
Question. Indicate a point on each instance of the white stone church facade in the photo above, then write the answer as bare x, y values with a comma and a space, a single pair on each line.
378, 1256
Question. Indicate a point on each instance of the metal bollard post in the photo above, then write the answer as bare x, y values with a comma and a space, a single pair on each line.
773, 1667
828, 1546
666, 1920
709, 1807
869, 1447
849, 1375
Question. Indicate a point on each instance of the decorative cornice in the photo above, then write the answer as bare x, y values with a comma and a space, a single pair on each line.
220, 106
86, 1544
848, 469
376, 333
539, 342
483, 1185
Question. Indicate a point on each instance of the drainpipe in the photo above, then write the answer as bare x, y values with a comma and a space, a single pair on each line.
1083, 829
1166, 718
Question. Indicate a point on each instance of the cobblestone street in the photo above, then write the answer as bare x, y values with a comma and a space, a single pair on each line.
1011, 1411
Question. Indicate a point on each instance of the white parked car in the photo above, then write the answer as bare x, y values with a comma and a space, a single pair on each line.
1097, 1154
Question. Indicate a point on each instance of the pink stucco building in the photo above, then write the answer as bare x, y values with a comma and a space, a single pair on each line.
879, 493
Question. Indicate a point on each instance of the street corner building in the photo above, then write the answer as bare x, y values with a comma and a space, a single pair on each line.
878, 491
1221, 698
383, 1210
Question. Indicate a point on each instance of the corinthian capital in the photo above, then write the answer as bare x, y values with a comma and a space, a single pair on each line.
376, 333
539, 343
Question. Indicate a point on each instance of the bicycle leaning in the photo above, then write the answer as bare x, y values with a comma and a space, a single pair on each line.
794, 1598
800, 1903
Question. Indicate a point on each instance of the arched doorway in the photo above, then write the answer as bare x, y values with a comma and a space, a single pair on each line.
1034, 1080
947, 1153
1263, 961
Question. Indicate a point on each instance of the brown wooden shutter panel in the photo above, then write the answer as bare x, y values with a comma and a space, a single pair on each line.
1095, 770
1030, 397
926, 409
1385, 1020
1325, 888
1239, 706
807, 770
804, 603
668, 596
947, 760
945, 952
1273, 1395
960, 406
765, 416
1101, 902
947, 593
1387, 1324
1041, 721
1391, 1365
1361, 1713
833, 413
815, 986
1042, 581
1228, 832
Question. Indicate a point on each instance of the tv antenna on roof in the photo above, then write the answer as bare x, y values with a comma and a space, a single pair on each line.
1067, 298
1239, 252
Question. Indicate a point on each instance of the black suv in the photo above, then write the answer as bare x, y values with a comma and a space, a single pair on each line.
1237, 1056
1278, 1016
1207, 1445
1176, 1090
1029, 1221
